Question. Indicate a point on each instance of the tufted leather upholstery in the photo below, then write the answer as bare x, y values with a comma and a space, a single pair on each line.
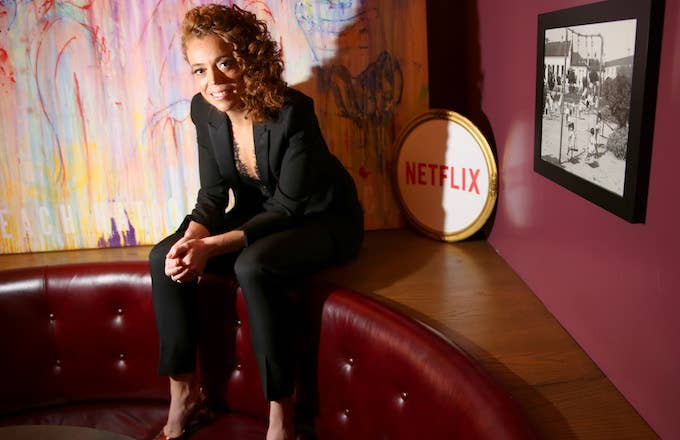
78, 346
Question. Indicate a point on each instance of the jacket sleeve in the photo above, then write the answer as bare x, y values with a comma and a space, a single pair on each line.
212, 196
300, 181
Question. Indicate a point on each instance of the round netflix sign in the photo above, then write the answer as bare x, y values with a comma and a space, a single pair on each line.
445, 175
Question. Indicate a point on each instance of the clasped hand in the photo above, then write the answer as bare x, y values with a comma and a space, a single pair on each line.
186, 260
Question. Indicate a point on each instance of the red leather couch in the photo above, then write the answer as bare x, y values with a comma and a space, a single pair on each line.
78, 347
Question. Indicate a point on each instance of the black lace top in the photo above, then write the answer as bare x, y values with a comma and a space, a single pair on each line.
243, 172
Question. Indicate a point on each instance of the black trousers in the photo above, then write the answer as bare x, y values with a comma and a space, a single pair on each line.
265, 270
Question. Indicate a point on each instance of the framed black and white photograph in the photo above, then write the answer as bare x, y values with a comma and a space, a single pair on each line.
596, 81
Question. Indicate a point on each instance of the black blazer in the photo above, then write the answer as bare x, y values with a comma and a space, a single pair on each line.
302, 180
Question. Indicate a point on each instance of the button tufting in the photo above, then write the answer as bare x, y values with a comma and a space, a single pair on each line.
120, 310
58, 362
404, 395
346, 412
238, 323
350, 361
121, 356
52, 317
239, 366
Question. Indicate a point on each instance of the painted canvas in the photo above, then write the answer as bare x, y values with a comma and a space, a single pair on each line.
97, 148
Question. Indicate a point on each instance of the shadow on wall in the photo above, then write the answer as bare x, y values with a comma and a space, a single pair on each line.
455, 71
456, 82
362, 86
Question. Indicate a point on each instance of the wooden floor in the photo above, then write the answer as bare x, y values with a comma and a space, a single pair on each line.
469, 293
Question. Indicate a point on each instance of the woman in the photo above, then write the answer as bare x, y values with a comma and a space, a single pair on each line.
296, 207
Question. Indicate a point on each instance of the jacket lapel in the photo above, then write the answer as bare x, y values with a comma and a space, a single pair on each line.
261, 140
220, 137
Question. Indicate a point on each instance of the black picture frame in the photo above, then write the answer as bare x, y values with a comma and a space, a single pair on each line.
586, 140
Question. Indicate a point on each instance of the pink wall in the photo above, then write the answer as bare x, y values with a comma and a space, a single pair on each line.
615, 286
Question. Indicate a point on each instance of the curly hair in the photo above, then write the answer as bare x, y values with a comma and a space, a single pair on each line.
257, 56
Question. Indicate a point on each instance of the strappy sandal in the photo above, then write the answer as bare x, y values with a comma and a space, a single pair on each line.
199, 416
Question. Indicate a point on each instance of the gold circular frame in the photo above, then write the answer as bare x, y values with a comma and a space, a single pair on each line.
492, 192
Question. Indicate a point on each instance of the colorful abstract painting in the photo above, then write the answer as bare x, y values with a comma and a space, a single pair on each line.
97, 146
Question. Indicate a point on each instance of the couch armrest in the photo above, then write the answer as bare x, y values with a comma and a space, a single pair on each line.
381, 374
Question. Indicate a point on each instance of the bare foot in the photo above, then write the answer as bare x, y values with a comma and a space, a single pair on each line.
277, 433
177, 417
185, 394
